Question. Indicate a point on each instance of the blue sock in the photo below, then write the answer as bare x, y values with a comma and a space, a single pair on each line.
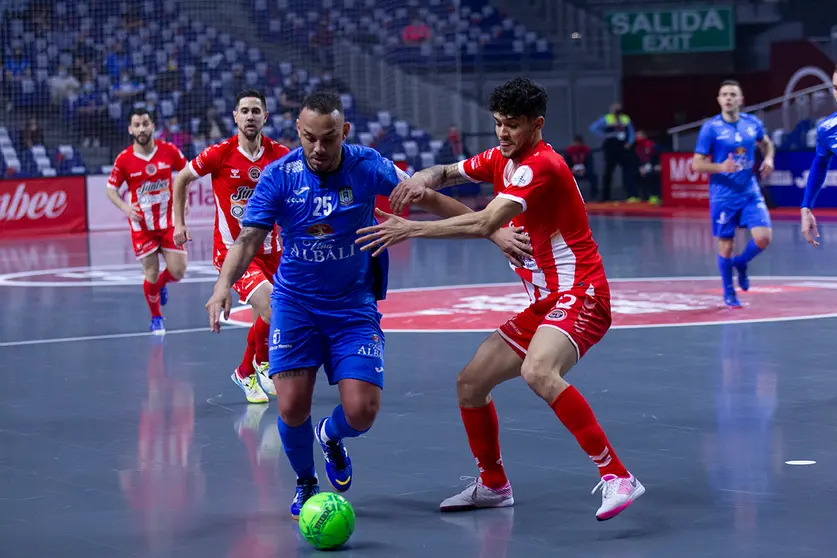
750, 252
725, 267
299, 447
336, 427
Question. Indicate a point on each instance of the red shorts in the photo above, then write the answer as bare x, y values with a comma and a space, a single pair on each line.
583, 318
259, 272
147, 242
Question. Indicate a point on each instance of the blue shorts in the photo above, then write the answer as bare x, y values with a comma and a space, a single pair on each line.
348, 343
726, 217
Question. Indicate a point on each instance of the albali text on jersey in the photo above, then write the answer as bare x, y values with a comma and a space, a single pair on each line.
319, 216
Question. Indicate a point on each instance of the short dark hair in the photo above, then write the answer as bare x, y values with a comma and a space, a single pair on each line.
323, 102
140, 111
730, 82
251, 93
519, 97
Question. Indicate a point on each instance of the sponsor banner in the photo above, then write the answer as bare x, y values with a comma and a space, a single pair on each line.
102, 215
683, 187
40, 206
787, 183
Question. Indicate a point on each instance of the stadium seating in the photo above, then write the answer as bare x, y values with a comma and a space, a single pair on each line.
475, 35
82, 66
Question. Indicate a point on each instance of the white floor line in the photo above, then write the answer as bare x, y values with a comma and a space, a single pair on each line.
99, 337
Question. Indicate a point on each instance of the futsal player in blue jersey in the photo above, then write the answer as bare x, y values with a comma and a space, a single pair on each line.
324, 301
726, 150
826, 148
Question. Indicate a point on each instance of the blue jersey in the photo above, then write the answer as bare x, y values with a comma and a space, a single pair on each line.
718, 139
320, 214
826, 148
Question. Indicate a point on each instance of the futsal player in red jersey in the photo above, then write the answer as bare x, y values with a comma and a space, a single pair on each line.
146, 166
564, 278
235, 166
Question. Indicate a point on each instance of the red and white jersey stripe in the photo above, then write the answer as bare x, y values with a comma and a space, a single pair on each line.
565, 256
234, 177
149, 183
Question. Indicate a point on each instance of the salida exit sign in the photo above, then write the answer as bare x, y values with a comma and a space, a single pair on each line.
674, 31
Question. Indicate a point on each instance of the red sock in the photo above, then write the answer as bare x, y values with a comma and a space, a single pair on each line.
152, 297
165, 277
483, 432
575, 413
262, 330
246, 369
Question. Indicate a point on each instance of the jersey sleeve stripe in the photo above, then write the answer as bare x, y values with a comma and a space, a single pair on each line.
461, 167
521, 201
191, 167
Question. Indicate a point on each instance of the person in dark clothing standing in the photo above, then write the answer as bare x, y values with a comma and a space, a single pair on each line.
580, 160
648, 171
618, 132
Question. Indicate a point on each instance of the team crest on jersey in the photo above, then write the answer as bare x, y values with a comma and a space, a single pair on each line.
556, 315
254, 173
150, 169
320, 229
346, 196
522, 176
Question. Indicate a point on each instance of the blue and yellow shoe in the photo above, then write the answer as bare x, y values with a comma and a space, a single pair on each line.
305, 489
164, 295
743, 279
157, 327
337, 462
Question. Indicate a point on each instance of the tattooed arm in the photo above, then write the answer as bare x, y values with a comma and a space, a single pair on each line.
413, 189
235, 264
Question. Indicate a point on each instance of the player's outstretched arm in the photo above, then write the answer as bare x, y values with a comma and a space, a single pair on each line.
768, 151
412, 190
478, 224
240, 255
179, 189
816, 179
511, 240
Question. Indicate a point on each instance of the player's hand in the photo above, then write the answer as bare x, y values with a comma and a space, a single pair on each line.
514, 244
728, 166
407, 192
181, 235
809, 227
767, 167
132, 212
388, 233
219, 302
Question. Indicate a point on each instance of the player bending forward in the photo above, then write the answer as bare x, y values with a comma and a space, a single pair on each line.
565, 280
826, 148
147, 166
324, 295
726, 150
235, 166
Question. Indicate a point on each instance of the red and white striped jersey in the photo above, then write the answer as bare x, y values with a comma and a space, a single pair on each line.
564, 254
149, 183
234, 177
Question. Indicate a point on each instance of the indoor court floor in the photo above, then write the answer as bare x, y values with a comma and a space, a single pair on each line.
114, 443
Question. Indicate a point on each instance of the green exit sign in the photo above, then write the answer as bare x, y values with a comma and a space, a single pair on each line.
674, 31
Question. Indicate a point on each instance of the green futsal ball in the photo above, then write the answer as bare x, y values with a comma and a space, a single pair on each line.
327, 520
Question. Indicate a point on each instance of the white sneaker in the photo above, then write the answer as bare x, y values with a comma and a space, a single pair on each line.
251, 388
262, 369
617, 494
477, 495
